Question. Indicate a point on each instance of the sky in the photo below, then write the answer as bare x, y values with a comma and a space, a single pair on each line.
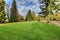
24, 5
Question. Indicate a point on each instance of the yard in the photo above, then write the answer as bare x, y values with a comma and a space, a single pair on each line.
29, 31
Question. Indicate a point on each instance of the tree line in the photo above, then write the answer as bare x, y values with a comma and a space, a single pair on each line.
47, 7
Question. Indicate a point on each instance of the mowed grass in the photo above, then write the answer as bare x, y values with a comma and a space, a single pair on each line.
29, 31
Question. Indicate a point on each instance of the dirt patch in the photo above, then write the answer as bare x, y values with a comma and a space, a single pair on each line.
56, 22
53, 22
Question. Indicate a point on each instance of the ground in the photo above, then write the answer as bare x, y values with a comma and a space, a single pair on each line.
29, 31
56, 23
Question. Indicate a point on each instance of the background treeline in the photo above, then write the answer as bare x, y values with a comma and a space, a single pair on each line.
49, 11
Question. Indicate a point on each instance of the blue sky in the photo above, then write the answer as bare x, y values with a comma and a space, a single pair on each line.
24, 5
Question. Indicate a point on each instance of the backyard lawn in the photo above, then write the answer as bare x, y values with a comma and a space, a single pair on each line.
29, 31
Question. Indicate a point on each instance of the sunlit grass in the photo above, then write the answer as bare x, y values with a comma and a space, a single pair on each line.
29, 31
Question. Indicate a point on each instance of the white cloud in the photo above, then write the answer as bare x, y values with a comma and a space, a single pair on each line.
22, 8
24, 5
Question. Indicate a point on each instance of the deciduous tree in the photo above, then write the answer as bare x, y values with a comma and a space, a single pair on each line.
2, 14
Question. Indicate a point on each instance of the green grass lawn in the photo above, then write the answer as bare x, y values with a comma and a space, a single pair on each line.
29, 31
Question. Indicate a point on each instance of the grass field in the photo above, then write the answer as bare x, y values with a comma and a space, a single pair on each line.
29, 31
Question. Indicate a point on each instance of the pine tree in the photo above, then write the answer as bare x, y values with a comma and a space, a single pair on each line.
29, 16
14, 17
2, 14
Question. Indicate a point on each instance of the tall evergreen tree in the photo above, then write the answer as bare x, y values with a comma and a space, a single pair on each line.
14, 17
29, 16
2, 14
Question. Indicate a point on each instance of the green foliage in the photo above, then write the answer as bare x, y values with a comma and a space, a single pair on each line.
2, 14
14, 17
58, 16
2, 6
38, 18
29, 16
33, 14
21, 18
44, 8
50, 5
